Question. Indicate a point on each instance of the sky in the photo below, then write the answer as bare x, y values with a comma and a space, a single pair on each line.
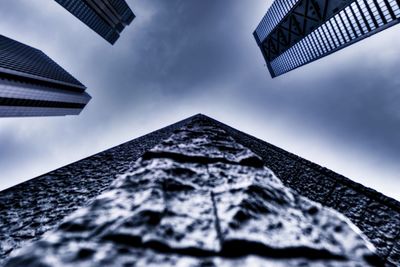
183, 57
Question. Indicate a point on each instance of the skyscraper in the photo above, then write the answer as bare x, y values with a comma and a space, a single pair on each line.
296, 32
196, 193
107, 18
31, 84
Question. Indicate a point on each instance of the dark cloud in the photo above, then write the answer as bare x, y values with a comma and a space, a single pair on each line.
181, 57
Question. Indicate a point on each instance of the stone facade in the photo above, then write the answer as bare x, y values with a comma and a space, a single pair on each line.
32, 208
193, 201
200, 198
377, 215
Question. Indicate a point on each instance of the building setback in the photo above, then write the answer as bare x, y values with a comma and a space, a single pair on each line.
31, 84
296, 32
191, 194
107, 18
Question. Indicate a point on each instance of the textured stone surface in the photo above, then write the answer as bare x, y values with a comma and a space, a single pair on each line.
207, 144
30, 209
353, 199
200, 199
34, 207
343, 199
394, 255
382, 223
109, 254
311, 182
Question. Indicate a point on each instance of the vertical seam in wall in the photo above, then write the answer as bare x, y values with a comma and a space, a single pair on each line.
216, 217
217, 221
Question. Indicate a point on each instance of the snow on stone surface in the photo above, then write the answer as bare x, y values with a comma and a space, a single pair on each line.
200, 199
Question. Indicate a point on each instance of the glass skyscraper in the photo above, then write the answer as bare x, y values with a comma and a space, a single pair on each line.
31, 84
106, 17
296, 32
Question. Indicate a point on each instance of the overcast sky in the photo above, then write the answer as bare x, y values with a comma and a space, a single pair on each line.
183, 57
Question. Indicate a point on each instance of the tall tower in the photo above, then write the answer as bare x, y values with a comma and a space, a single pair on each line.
196, 193
296, 32
31, 84
107, 18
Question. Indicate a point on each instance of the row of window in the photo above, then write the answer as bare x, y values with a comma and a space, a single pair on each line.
105, 10
83, 12
20, 57
17, 102
13, 90
9, 111
122, 7
274, 15
349, 25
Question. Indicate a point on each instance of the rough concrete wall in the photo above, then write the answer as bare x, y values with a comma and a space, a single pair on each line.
200, 199
377, 215
32, 208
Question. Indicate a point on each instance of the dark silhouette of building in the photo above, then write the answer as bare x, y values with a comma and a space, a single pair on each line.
296, 32
31, 84
196, 193
107, 18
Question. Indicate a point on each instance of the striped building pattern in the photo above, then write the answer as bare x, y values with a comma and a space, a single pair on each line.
296, 32
107, 18
31, 84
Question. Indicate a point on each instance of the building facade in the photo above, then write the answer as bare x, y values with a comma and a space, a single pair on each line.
107, 18
31, 84
296, 32
191, 194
